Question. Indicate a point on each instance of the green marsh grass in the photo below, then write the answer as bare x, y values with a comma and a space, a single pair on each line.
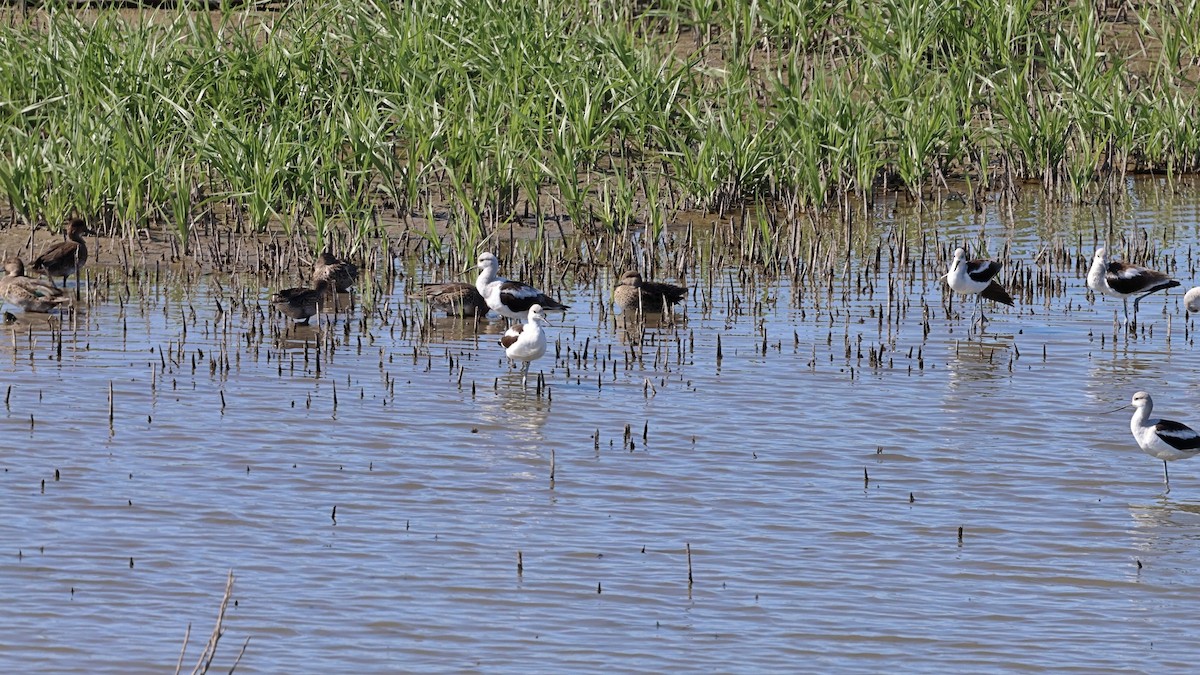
460, 119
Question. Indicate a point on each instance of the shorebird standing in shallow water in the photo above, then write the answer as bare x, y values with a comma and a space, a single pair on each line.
1121, 280
511, 299
31, 295
66, 257
976, 277
1191, 300
456, 298
526, 342
300, 304
1161, 439
341, 275
649, 296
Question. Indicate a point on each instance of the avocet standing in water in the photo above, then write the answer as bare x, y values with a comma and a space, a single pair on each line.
976, 277
1121, 280
1161, 439
526, 342
1191, 300
511, 299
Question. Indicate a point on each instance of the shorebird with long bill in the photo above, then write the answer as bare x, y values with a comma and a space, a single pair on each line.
1191, 300
1122, 280
976, 277
510, 299
526, 342
1161, 439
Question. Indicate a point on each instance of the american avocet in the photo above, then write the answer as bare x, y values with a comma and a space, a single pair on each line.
1121, 280
526, 342
67, 257
511, 299
1161, 439
339, 273
650, 296
456, 298
31, 295
1191, 299
300, 304
976, 277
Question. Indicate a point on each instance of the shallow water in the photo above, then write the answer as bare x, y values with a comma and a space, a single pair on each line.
441, 473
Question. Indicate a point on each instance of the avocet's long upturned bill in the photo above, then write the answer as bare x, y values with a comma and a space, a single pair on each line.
976, 277
1121, 280
511, 299
526, 342
1161, 439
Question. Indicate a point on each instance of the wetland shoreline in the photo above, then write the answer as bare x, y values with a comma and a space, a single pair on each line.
457, 119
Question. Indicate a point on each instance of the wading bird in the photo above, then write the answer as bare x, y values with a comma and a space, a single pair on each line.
511, 299
976, 277
526, 342
300, 304
1191, 300
1121, 280
1161, 439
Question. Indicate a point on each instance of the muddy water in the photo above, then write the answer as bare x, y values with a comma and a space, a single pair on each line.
114, 537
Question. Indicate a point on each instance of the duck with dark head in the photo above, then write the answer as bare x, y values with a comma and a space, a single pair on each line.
31, 295
300, 304
339, 273
634, 293
66, 257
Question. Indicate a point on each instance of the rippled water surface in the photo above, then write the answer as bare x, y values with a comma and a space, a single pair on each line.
227, 450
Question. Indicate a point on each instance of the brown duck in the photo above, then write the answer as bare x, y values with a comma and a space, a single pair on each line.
31, 295
650, 296
65, 258
300, 304
456, 298
341, 274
